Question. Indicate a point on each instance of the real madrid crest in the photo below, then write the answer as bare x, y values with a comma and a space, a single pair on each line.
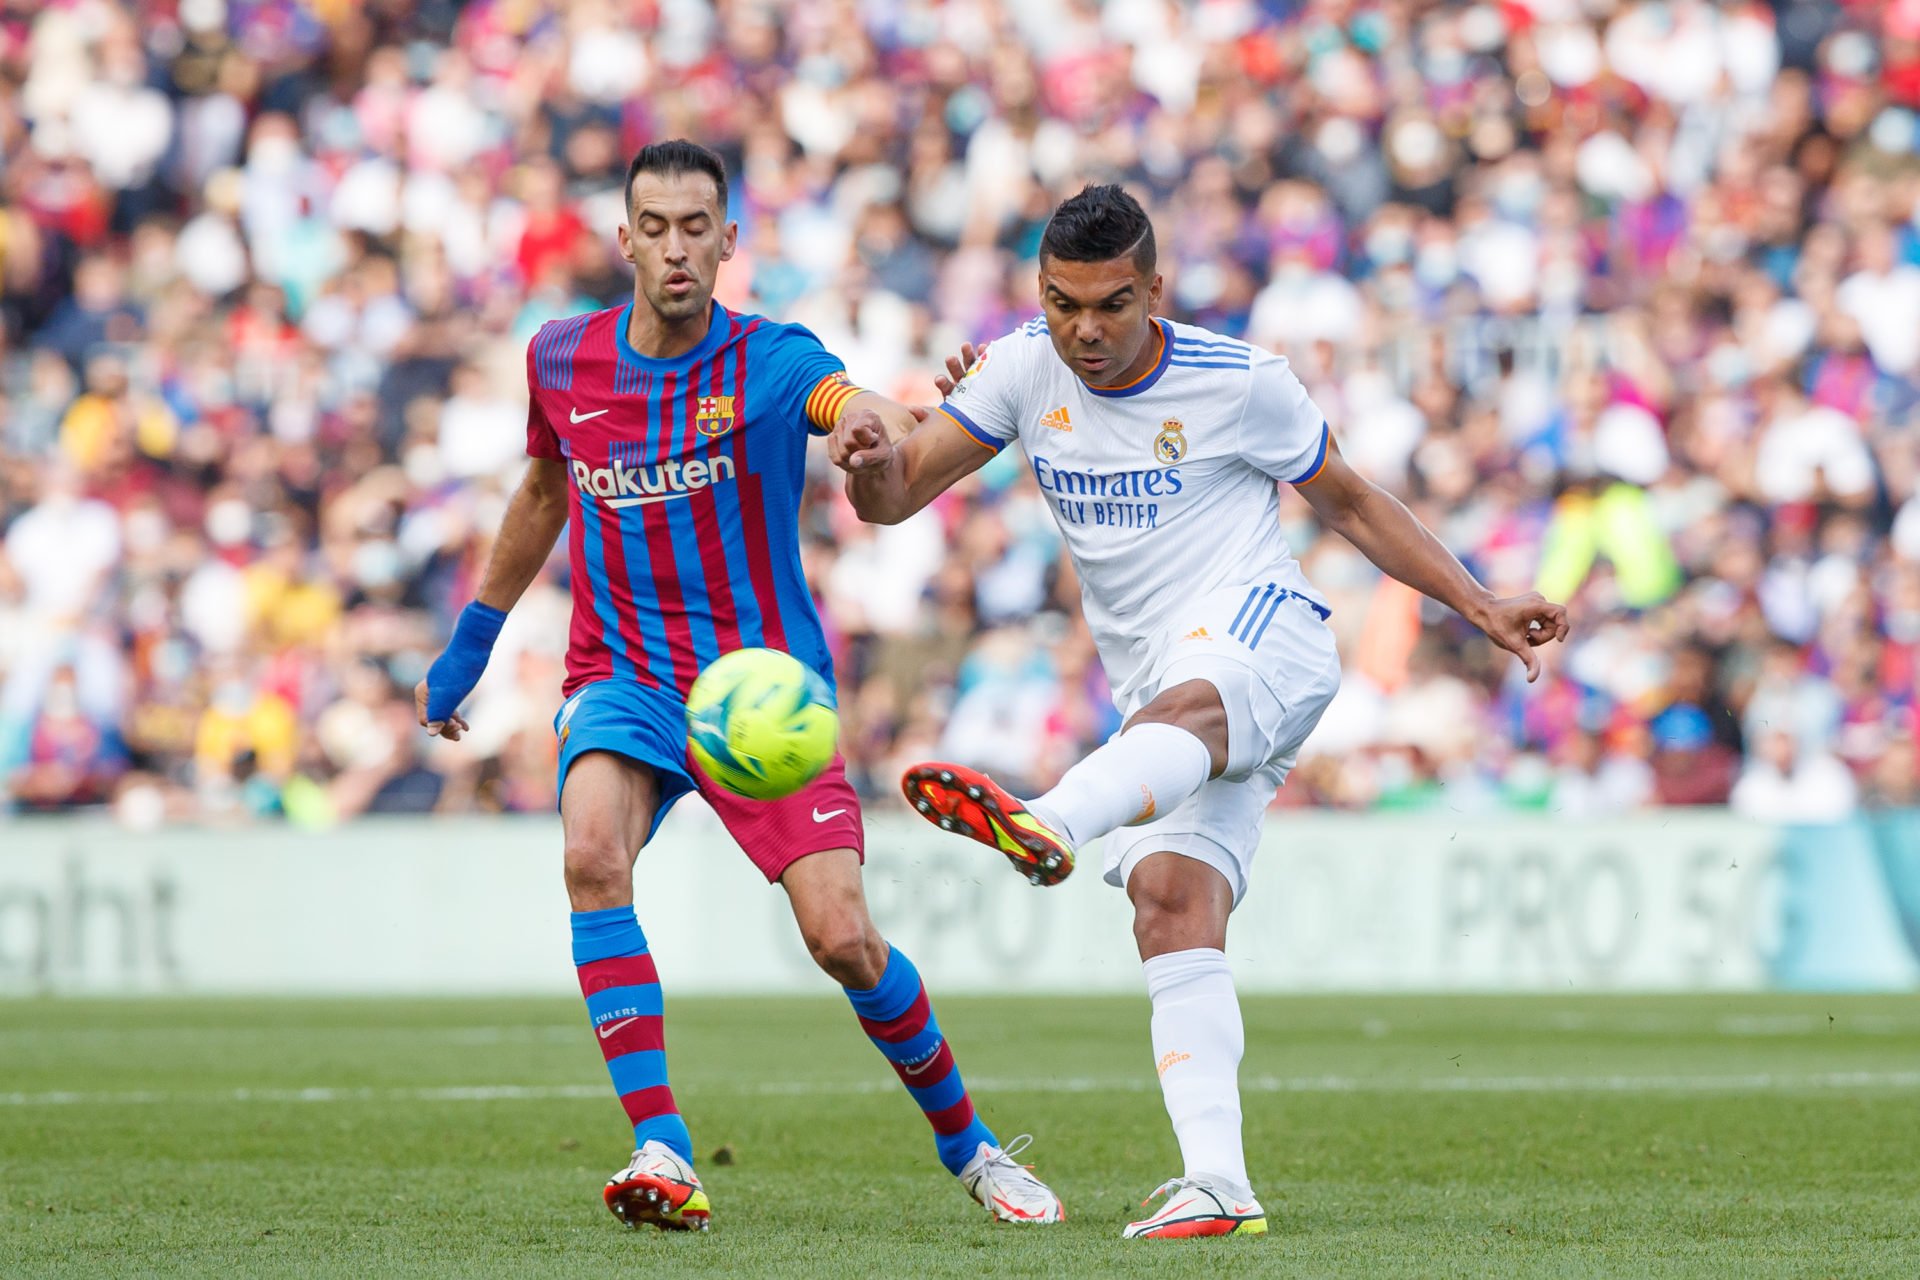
1171, 444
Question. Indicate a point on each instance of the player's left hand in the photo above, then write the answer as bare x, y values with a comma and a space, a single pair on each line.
957, 367
1520, 624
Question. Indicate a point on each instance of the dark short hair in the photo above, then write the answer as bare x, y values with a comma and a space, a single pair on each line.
677, 155
1099, 224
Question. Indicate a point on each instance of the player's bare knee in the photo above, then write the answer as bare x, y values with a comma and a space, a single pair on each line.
599, 874
1163, 923
1177, 905
848, 949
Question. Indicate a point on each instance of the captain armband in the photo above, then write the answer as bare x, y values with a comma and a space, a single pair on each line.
828, 397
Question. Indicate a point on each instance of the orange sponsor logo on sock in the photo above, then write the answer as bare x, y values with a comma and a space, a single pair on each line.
1171, 1061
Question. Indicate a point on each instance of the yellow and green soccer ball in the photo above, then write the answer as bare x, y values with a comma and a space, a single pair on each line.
761, 723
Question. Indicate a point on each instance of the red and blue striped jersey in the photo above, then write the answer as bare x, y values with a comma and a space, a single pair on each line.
684, 533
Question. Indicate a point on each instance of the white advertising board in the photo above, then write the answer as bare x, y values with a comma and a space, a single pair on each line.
1679, 901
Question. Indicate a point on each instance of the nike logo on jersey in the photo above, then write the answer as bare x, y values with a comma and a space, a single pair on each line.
1057, 419
612, 1027
831, 813
576, 417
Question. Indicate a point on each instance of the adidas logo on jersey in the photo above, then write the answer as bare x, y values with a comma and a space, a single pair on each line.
625, 486
1057, 419
1198, 633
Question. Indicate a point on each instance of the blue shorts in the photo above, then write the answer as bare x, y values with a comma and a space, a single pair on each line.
646, 725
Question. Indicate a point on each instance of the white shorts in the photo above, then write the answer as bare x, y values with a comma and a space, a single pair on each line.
1274, 680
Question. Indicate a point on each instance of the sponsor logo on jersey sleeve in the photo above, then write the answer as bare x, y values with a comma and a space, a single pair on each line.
973, 371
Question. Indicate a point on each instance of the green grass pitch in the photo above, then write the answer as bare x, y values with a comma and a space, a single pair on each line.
1509, 1137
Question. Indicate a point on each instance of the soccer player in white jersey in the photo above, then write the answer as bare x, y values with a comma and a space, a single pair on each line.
1158, 446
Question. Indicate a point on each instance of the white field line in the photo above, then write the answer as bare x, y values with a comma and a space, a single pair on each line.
203, 1035
1732, 1025
1779, 1024
1776, 1025
1752, 1082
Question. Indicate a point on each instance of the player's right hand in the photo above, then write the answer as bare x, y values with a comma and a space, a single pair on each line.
957, 367
1521, 624
860, 442
451, 728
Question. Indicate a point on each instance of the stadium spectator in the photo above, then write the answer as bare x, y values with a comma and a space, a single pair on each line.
1622, 299
1783, 783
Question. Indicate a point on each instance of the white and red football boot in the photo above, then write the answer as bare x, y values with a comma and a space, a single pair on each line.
1199, 1206
1008, 1188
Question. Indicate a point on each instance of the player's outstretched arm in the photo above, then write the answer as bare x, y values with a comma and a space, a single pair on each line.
1388, 534
535, 515
893, 472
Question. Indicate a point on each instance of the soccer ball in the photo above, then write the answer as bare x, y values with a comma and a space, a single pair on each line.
761, 723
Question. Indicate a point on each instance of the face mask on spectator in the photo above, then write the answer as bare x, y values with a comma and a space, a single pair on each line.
1438, 266
1519, 195
1389, 245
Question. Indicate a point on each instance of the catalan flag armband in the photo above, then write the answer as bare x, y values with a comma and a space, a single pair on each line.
828, 397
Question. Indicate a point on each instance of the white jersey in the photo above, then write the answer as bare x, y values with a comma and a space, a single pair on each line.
1165, 488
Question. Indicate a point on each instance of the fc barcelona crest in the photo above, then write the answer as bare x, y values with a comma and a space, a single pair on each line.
1171, 444
713, 416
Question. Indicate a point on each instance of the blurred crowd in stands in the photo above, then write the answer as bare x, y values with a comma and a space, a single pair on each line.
1621, 296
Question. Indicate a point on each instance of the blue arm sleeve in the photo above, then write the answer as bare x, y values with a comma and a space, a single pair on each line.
792, 367
454, 673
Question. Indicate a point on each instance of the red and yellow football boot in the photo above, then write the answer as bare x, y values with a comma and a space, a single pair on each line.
968, 802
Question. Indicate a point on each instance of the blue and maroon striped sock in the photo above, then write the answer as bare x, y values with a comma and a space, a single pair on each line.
623, 1003
898, 1018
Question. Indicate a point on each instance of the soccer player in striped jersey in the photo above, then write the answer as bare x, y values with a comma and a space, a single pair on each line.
669, 436
1160, 448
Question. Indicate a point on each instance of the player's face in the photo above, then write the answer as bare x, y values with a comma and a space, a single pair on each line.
1100, 316
676, 237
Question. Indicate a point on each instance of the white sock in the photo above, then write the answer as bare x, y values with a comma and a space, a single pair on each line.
1197, 1043
1150, 769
